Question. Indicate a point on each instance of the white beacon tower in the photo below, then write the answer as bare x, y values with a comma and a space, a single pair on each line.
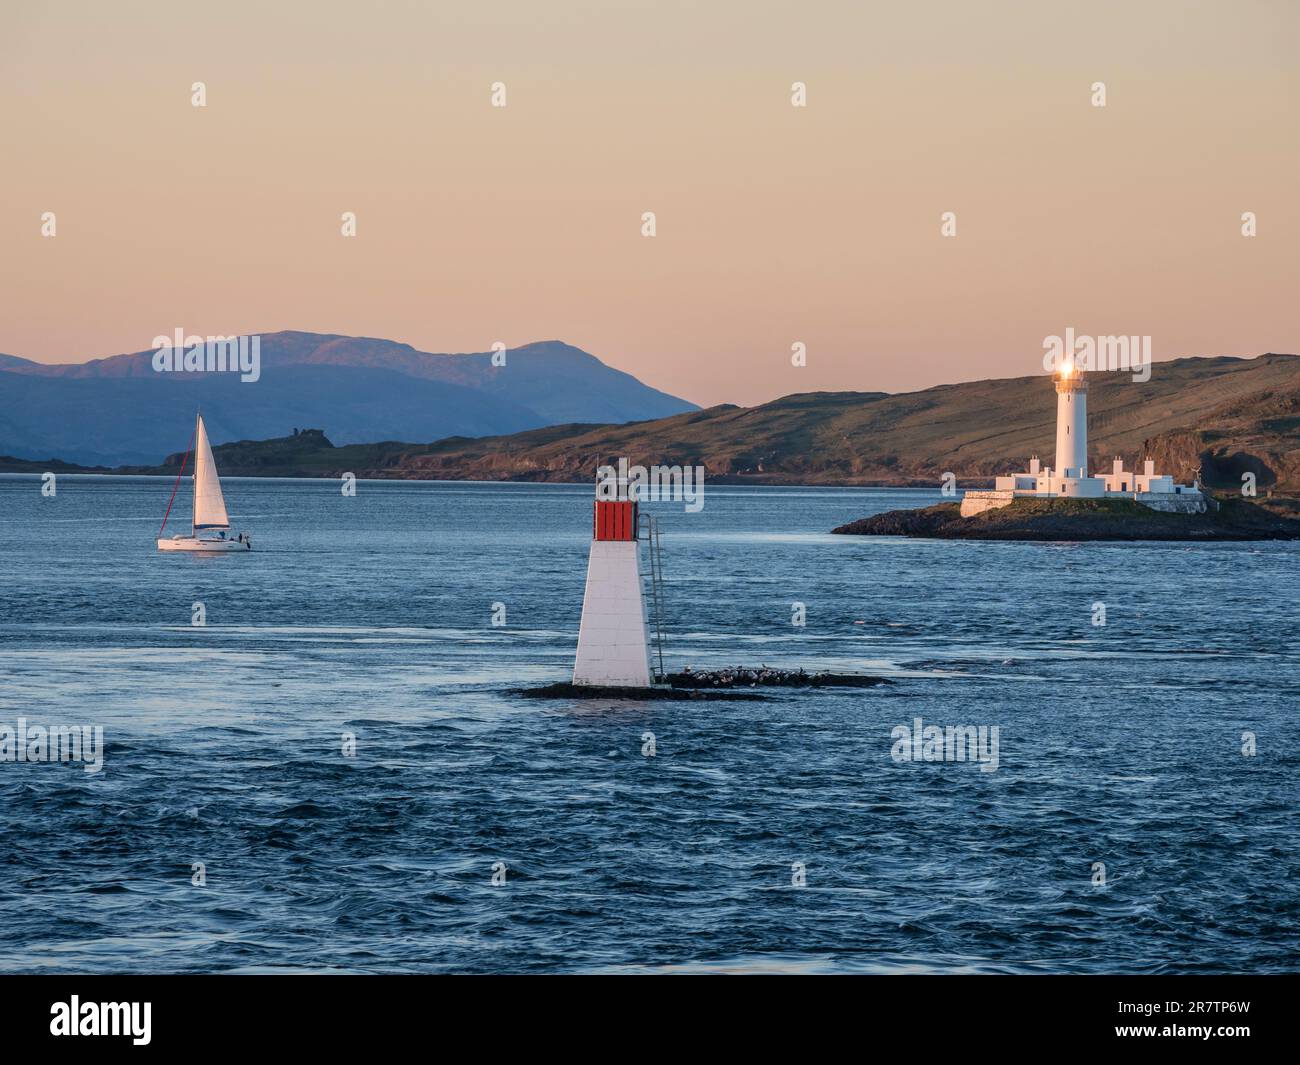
614, 637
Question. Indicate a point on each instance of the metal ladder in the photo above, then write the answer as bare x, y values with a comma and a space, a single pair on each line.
654, 551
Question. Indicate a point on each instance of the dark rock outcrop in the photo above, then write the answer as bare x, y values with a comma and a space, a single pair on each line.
1080, 519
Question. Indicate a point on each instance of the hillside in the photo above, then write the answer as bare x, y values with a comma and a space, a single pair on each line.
1223, 415
1226, 414
119, 410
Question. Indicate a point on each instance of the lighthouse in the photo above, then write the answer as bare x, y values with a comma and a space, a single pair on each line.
1071, 423
614, 637
1071, 479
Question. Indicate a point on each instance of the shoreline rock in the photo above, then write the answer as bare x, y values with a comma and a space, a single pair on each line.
564, 690
766, 677
1079, 520
731, 682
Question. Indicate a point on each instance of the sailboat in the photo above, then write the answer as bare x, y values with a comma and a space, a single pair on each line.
209, 506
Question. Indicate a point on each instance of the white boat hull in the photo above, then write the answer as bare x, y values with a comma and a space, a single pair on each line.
201, 546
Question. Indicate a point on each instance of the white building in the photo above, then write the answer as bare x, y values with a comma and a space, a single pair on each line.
1070, 477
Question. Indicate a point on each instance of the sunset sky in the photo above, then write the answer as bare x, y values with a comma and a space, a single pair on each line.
775, 224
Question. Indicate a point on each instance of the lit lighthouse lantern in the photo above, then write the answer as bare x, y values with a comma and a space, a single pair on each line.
614, 637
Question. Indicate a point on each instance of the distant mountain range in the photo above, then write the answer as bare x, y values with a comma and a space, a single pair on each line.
1223, 416
119, 410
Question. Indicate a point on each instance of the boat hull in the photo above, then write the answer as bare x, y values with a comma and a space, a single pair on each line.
204, 547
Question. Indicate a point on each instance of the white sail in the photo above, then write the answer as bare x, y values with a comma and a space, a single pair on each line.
209, 506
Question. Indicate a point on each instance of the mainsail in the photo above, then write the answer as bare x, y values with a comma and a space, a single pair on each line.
209, 506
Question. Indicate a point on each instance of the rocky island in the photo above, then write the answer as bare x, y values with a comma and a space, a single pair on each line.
1081, 519
1067, 501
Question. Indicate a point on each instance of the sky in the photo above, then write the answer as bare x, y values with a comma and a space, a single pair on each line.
774, 224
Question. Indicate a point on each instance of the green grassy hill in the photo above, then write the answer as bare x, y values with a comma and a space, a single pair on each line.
1224, 416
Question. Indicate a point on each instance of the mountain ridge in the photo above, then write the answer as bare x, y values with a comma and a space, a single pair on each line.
119, 410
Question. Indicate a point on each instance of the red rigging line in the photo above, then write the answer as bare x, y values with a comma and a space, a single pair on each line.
184, 459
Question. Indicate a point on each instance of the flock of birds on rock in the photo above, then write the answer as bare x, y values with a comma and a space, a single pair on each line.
740, 677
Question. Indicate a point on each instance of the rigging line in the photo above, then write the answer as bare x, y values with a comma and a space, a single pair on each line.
184, 459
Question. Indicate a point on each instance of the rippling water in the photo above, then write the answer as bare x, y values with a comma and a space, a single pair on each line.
372, 615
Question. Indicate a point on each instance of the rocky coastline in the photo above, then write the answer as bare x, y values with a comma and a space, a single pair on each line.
1080, 520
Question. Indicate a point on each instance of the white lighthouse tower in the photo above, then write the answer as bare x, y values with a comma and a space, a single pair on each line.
1071, 429
614, 637
1071, 468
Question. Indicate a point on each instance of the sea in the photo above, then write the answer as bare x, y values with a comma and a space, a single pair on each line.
316, 758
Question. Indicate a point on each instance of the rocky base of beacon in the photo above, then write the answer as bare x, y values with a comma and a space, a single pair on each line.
766, 677
732, 682
565, 690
